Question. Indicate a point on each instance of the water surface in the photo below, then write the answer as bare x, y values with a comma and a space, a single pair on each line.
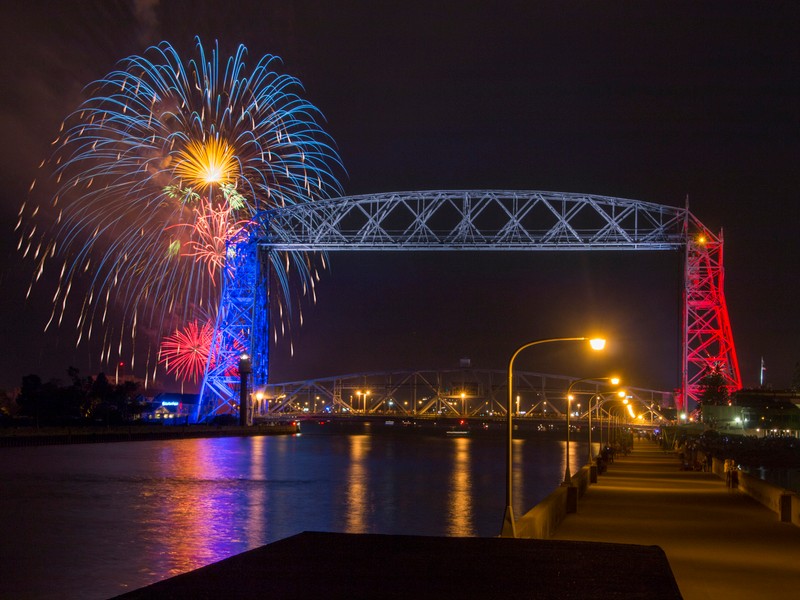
96, 520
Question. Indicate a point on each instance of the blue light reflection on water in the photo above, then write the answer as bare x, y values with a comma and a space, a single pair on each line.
93, 521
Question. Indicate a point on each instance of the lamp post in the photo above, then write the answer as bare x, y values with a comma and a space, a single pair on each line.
509, 528
245, 368
258, 409
610, 416
615, 381
599, 397
363, 395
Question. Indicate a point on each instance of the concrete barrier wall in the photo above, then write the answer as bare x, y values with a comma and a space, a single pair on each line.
795, 508
777, 499
581, 480
782, 502
718, 467
542, 520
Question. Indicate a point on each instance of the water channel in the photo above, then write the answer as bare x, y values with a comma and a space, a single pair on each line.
97, 520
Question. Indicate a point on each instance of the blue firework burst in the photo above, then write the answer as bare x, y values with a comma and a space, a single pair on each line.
160, 146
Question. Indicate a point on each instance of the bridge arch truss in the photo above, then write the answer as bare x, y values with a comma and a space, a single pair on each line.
485, 220
458, 393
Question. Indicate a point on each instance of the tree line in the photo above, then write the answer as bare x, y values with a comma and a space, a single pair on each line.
83, 400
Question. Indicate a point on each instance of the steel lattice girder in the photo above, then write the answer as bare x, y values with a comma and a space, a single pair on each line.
465, 220
488, 220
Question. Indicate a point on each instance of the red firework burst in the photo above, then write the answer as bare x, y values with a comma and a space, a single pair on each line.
185, 351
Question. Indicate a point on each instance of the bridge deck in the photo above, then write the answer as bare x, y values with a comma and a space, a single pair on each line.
720, 542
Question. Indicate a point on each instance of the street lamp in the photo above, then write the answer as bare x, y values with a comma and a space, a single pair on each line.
615, 381
260, 402
509, 528
610, 416
363, 395
599, 397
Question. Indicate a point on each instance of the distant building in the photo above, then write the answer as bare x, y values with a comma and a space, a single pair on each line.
171, 408
772, 412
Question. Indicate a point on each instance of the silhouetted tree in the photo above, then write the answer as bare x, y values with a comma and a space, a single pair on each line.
8, 406
40, 401
714, 387
796, 377
83, 398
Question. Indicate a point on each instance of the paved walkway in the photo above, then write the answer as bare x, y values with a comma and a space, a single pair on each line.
719, 542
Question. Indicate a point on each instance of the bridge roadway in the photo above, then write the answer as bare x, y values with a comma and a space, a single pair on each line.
720, 543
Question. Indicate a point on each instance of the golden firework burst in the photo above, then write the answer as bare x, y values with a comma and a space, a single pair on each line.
202, 164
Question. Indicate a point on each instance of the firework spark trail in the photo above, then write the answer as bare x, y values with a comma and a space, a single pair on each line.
161, 165
211, 231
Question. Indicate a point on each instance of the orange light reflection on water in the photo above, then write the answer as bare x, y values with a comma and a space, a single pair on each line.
460, 518
518, 477
357, 485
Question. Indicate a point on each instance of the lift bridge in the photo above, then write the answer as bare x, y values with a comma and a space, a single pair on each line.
466, 220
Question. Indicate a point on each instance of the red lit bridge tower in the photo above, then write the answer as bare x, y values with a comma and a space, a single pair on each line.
466, 220
707, 336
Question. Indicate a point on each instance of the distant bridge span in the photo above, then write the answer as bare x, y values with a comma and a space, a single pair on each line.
463, 392
487, 220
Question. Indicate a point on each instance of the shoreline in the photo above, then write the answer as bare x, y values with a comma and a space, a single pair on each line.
52, 436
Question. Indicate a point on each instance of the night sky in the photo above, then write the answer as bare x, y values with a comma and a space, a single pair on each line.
655, 101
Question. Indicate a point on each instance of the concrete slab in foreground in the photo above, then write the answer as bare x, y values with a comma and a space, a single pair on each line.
337, 565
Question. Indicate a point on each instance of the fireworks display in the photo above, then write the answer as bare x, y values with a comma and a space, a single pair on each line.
185, 351
163, 164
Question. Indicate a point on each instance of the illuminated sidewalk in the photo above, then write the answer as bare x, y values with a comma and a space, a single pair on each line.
720, 543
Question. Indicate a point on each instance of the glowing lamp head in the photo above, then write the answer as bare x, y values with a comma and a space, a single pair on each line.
614, 380
621, 393
597, 343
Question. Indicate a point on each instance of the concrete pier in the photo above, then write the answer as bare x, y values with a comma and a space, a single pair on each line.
720, 542
318, 565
